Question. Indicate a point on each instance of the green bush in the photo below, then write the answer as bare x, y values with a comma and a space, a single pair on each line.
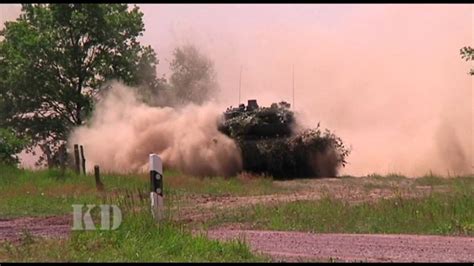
10, 146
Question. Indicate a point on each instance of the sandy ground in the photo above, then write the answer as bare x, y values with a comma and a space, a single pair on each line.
297, 246
294, 246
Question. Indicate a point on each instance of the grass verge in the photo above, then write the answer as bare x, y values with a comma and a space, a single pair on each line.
138, 239
50, 192
439, 214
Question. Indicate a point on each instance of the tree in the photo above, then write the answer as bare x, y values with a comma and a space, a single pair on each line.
56, 58
193, 79
467, 53
10, 146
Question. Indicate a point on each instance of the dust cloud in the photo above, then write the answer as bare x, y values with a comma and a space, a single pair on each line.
387, 79
124, 131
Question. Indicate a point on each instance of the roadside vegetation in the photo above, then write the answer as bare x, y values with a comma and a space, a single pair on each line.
450, 213
52, 192
139, 238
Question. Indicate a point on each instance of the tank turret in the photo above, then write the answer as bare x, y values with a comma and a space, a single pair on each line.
270, 145
254, 122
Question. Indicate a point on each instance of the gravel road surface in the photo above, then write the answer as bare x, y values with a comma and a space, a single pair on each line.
298, 246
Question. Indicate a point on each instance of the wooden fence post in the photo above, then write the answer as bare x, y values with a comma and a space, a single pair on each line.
83, 161
62, 159
76, 158
98, 183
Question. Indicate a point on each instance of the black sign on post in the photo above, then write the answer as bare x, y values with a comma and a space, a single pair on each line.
156, 185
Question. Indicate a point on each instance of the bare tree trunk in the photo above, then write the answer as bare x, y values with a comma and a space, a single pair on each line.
62, 159
48, 155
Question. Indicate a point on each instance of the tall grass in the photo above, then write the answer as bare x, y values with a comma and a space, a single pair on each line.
51, 192
439, 213
138, 239
243, 185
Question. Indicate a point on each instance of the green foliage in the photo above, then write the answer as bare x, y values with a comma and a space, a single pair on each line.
308, 153
467, 53
263, 122
10, 146
55, 60
193, 79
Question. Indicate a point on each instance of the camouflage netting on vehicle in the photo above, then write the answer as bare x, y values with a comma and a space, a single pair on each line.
270, 146
258, 122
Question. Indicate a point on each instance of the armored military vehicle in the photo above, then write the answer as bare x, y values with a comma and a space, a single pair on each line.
270, 143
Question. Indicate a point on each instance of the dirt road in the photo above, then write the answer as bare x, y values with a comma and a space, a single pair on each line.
296, 246
14, 230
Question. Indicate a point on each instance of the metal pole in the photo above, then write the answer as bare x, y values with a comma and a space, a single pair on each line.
156, 181
293, 86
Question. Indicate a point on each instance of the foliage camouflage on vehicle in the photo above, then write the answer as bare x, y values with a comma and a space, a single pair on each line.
271, 144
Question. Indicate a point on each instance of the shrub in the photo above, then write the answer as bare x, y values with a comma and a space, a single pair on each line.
10, 146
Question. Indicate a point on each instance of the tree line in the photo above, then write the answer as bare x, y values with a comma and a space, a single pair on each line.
56, 61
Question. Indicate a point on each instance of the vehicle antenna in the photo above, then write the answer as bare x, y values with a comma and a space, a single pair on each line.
240, 82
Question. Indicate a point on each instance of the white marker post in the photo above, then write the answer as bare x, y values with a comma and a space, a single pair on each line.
156, 180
